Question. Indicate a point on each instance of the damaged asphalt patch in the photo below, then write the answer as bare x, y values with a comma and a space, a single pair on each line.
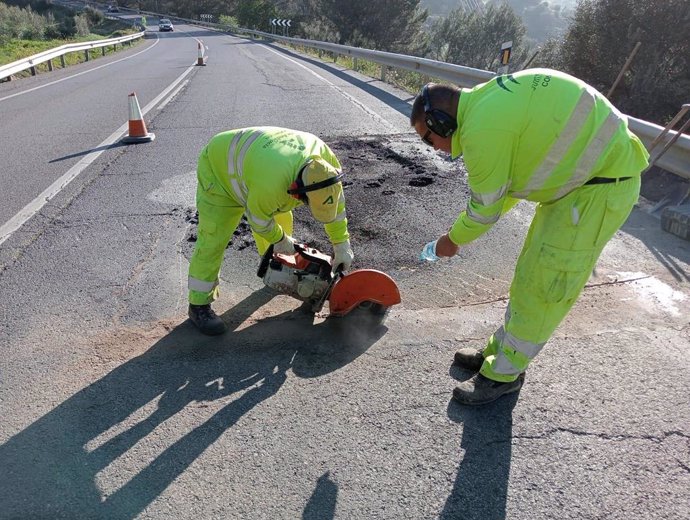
399, 194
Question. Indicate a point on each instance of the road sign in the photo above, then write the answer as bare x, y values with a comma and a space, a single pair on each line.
505, 56
281, 22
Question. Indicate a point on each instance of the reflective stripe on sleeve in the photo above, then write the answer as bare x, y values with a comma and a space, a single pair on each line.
487, 199
481, 219
194, 284
259, 225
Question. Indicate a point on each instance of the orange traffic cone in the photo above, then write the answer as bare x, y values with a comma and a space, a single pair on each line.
201, 59
137, 126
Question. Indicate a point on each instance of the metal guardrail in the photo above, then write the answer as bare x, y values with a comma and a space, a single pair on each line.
46, 56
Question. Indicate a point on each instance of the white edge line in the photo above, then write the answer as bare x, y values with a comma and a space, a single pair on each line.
353, 100
51, 191
173, 94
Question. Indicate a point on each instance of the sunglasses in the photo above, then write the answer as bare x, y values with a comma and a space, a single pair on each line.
426, 139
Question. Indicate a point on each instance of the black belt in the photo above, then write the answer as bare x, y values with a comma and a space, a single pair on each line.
605, 180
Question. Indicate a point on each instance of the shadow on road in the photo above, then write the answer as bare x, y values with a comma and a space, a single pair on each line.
50, 469
669, 250
481, 486
321, 505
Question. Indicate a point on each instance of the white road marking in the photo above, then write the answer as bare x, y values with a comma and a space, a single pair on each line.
340, 91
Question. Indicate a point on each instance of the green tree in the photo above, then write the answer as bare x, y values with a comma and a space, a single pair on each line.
603, 33
474, 39
390, 25
255, 14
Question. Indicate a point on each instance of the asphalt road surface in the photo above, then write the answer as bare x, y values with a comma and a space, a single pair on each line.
113, 406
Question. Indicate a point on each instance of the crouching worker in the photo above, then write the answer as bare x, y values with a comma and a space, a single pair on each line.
263, 173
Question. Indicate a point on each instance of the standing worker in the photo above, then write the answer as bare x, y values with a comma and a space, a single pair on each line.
263, 173
547, 137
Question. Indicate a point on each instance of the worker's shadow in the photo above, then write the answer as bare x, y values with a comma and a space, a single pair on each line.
51, 468
481, 485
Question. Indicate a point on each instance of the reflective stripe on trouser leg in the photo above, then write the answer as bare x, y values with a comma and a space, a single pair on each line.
219, 216
564, 242
285, 222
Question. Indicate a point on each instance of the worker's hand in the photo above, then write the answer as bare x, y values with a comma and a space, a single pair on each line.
286, 245
446, 247
343, 256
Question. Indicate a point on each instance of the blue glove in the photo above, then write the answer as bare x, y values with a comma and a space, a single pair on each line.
428, 254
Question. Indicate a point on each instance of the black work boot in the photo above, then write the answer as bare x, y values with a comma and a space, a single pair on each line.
482, 390
469, 358
206, 320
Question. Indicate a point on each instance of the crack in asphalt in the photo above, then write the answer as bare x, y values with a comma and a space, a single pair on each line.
606, 436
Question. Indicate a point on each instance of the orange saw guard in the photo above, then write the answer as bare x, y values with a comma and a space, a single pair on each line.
363, 285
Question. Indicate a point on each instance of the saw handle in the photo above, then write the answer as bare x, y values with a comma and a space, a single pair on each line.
265, 260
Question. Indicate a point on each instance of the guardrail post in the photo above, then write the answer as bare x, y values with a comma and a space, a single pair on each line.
86, 54
355, 63
33, 70
103, 50
50, 65
384, 71
320, 53
654, 158
62, 61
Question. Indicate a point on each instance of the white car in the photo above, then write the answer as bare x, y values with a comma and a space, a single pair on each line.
165, 25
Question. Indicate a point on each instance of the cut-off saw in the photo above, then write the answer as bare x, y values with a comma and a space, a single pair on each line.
307, 276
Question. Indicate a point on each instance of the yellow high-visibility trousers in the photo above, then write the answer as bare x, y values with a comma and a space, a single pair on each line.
219, 216
562, 246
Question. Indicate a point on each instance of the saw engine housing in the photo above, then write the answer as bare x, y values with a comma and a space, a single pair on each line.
307, 276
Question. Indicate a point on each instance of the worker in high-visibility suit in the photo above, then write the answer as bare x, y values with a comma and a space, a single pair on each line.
262, 173
547, 137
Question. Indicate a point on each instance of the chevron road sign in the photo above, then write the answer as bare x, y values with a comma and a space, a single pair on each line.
280, 22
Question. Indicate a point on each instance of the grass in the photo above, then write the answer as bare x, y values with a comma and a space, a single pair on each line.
14, 49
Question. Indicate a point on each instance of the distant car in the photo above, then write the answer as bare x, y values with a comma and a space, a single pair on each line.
113, 9
165, 25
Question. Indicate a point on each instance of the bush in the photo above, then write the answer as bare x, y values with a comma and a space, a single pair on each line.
94, 16
81, 24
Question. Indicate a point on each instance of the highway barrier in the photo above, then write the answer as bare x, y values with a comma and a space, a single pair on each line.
59, 52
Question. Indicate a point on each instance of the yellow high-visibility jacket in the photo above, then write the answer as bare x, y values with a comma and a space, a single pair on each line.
537, 134
257, 165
